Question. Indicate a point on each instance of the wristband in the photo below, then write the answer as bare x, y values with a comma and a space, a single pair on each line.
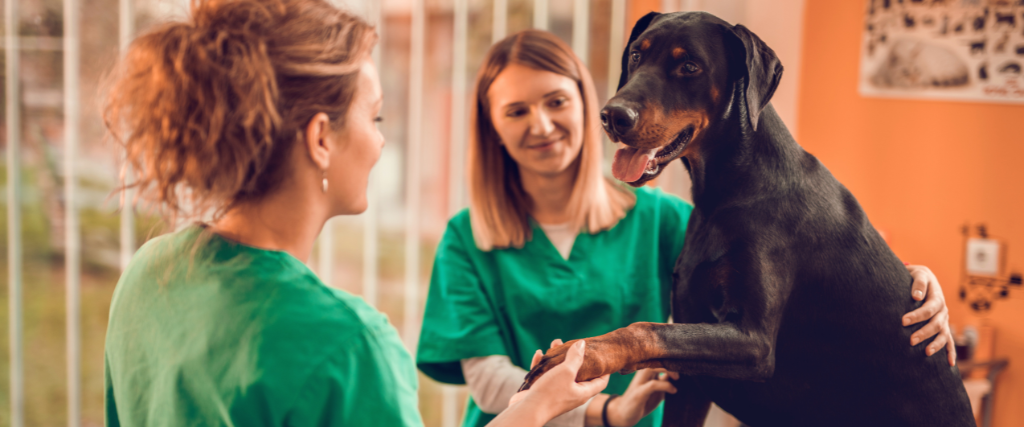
604, 410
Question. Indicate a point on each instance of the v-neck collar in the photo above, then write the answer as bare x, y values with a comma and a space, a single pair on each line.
543, 246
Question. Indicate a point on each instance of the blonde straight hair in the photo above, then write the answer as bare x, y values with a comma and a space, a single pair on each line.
498, 206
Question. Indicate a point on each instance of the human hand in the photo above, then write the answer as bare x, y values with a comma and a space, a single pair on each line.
645, 393
606, 354
537, 356
558, 392
926, 287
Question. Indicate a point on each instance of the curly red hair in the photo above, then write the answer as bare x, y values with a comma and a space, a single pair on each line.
208, 110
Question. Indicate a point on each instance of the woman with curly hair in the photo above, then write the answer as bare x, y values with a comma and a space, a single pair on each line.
259, 117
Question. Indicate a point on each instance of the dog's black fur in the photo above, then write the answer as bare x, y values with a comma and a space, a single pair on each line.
779, 254
787, 302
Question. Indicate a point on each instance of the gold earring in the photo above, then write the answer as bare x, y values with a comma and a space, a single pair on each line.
325, 182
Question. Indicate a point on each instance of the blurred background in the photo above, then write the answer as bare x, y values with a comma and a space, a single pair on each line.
930, 174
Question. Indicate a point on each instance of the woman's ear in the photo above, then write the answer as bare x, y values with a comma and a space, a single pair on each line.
319, 140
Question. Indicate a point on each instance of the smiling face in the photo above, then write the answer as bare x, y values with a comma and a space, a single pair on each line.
539, 117
677, 72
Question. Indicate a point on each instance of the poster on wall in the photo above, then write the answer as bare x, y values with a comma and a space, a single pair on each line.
964, 50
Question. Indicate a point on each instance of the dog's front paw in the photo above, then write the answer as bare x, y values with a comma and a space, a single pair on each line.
597, 361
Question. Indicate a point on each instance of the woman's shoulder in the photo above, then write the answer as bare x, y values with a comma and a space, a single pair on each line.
165, 246
230, 277
336, 327
263, 308
302, 313
197, 251
315, 322
305, 306
329, 343
458, 233
355, 310
460, 222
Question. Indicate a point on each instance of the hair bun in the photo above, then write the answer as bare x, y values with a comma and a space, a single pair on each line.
212, 107
253, 18
234, 30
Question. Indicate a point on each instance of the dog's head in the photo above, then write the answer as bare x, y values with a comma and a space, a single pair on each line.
679, 71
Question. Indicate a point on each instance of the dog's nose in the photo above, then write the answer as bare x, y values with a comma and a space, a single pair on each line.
618, 120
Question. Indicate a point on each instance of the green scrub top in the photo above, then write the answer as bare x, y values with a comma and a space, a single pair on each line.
207, 332
515, 301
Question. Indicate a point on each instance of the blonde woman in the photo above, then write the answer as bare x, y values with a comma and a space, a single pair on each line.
261, 113
550, 249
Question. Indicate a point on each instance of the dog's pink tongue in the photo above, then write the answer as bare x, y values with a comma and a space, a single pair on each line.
630, 163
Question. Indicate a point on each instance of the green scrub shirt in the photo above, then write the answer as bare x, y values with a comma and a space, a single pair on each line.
515, 301
207, 332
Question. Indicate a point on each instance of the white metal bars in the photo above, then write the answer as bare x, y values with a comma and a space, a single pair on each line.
14, 253
373, 12
499, 27
325, 241
457, 157
680, 5
325, 255
616, 40
457, 168
125, 29
72, 245
411, 321
581, 30
540, 14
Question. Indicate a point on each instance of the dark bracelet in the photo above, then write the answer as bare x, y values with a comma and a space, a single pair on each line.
604, 410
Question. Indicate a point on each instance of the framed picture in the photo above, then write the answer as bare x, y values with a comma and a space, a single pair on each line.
962, 50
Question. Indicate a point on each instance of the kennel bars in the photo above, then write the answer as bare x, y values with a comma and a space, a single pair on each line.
72, 114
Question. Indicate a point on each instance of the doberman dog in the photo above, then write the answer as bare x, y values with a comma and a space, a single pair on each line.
787, 302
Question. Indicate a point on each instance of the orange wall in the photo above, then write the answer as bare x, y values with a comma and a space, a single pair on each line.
921, 169
637, 9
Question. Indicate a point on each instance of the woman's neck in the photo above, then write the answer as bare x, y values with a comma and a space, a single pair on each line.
550, 194
283, 221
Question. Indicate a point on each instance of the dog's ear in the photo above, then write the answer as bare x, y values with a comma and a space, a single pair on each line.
763, 71
638, 29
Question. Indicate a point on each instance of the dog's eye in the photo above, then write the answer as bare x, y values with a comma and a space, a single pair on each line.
635, 57
690, 68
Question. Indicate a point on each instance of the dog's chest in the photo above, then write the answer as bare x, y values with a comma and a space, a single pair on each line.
703, 277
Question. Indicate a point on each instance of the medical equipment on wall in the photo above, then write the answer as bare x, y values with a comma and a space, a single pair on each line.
985, 277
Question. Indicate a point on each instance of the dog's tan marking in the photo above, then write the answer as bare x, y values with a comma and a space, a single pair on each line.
714, 94
678, 52
699, 119
613, 352
652, 130
646, 44
655, 129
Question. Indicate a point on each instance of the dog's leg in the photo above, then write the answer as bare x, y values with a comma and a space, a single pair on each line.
721, 350
688, 407
739, 346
